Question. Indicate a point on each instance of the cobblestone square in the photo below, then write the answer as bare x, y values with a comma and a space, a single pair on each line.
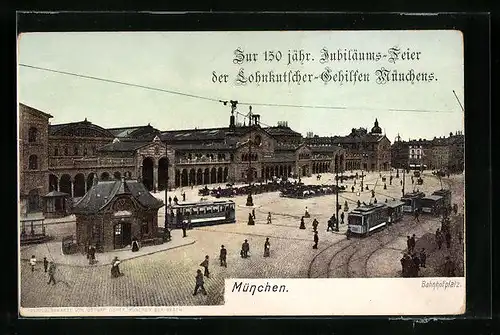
166, 277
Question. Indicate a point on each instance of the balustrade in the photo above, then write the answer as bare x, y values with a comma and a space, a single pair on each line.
64, 162
201, 160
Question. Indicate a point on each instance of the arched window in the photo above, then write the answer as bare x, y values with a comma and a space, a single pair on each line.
66, 153
75, 150
33, 162
32, 135
56, 151
85, 151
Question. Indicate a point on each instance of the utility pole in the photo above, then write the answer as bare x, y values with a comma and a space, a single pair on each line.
404, 170
250, 172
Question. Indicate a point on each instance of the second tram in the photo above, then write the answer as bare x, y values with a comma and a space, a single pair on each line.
367, 218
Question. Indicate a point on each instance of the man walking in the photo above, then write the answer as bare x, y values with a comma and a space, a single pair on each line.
245, 248
52, 272
253, 213
223, 256
423, 257
413, 242
316, 240
269, 218
184, 227
199, 283
45, 264
315, 225
204, 264
33, 263
342, 218
416, 212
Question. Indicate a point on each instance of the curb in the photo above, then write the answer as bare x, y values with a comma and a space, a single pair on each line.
105, 264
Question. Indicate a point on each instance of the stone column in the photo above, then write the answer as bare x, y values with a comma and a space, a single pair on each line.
155, 177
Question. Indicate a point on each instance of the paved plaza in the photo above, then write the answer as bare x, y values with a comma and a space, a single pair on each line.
165, 276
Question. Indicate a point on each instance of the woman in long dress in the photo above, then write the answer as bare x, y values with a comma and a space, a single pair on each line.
267, 246
115, 269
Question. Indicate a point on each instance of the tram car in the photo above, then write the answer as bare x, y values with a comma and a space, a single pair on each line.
204, 213
431, 204
395, 211
367, 218
446, 194
412, 201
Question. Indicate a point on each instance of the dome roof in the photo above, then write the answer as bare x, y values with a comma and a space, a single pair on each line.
376, 129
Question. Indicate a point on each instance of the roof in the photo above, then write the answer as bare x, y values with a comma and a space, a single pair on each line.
55, 194
280, 131
279, 157
441, 192
215, 202
207, 134
330, 148
414, 194
368, 208
101, 194
123, 146
394, 203
433, 197
81, 128
134, 131
35, 111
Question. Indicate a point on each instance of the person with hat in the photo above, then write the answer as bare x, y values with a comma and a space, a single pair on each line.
199, 283
223, 256
267, 246
245, 248
204, 264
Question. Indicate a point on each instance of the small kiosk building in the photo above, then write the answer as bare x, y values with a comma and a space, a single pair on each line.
113, 213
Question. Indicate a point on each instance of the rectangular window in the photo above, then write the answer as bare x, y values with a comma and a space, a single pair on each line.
118, 229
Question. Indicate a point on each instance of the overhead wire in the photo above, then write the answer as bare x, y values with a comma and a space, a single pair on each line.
196, 96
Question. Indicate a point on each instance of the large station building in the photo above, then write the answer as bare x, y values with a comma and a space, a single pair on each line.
68, 157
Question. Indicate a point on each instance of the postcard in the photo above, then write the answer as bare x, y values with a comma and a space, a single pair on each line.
232, 173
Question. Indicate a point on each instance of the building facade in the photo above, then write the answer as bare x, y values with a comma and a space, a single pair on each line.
33, 159
370, 151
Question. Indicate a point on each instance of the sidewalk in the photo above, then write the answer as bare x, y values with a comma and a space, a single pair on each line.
53, 251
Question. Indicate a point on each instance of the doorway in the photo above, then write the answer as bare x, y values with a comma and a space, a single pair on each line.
122, 235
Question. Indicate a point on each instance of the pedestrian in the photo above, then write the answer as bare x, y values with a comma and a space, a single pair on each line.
373, 192
204, 264
408, 244
455, 209
412, 243
413, 266
302, 223
176, 201
416, 260
33, 263
352, 189
342, 216
223, 256
245, 248
348, 233
385, 186
269, 218
92, 251
115, 268
423, 257
415, 212
406, 265
375, 200
199, 283
448, 239
253, 213
183, 196
316, 240
306, 213
169, 201
449, 267
267, 246
359, 203
251, 222
184, 227
401, 182
315, 225
135, 245
52, 272
45, 264
439, 238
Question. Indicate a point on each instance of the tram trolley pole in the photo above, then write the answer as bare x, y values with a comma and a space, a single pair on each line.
337, 198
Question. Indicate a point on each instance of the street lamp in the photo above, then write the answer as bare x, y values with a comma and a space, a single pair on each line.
250, 172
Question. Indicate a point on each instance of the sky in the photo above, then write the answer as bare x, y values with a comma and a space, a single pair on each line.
186, 61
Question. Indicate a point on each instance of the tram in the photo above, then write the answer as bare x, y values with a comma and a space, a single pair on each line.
412, 201
395, 211
431, 204
204, 213
446, 194
367, 218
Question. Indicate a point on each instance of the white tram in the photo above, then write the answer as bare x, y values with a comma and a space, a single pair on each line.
367, 218
202, 213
